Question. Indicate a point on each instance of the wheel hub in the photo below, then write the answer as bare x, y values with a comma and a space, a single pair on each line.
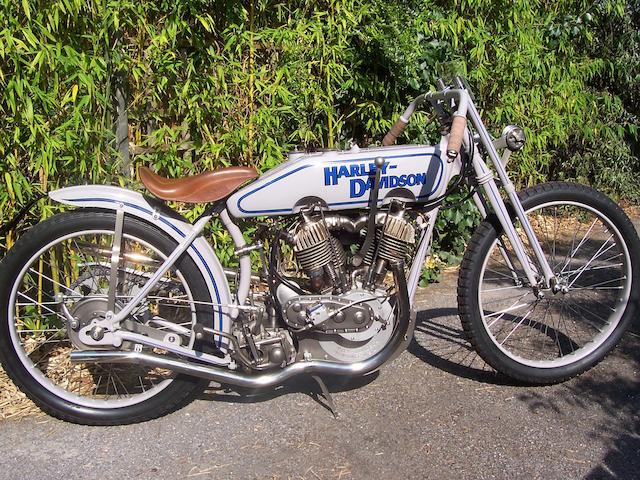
560, 285
87, 311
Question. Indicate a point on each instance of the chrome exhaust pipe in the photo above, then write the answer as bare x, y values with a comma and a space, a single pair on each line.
221, 375
399, 340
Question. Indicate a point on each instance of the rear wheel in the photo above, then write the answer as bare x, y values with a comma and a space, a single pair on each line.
556, 333
68, 258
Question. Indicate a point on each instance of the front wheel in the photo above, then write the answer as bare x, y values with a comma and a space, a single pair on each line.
551, 335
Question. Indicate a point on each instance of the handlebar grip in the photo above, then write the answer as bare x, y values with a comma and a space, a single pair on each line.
394, 133
455, 136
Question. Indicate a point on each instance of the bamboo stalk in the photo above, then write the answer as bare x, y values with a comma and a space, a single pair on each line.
67, 267
252, 80
55, 271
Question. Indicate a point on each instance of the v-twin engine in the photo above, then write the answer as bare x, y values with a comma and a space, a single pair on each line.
343, 310
324, 244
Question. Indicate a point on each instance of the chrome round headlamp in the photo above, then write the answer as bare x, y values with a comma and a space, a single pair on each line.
514, 137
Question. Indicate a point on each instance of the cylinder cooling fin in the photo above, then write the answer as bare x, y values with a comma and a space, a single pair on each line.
340, 255
319, 246
320, 254
311, 244
398, 235
395, 236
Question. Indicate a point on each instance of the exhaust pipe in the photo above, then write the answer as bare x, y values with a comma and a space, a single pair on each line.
398, 342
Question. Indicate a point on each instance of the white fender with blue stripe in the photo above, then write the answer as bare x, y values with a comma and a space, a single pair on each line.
134, 204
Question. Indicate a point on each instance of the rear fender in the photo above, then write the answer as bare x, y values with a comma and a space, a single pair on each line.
161, 216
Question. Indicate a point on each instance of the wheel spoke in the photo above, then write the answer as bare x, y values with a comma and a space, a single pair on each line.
598, 267
33, 270
589, 260
507, 276
68, 266
53, 312
501, 288
517, 325
599, 284
582, 241
595, 256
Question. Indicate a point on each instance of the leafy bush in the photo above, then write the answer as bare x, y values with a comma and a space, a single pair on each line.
453, 229
211, 84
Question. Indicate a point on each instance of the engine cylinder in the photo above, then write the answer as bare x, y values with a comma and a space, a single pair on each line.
397, 236
311, 245
320, 254
394, 237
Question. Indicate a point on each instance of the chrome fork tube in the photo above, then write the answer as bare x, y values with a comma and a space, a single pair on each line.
493, 195
501, 246
498, 205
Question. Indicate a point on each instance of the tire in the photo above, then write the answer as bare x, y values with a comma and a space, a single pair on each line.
549, 338
55, 397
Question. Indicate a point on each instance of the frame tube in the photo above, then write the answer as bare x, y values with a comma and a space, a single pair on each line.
115, 260
244, 281
164, 268
421, 254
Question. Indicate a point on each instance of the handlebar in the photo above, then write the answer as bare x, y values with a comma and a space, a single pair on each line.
395, 131
398, 127
456, 133
457, 127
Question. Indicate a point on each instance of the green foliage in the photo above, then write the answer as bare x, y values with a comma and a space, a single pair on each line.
211, 84
611, 166
453, 229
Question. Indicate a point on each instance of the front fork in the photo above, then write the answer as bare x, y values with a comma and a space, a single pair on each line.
545, 278
486, 180
490, 189
480, 205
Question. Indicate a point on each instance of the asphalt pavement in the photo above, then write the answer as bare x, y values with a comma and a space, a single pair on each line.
436, 412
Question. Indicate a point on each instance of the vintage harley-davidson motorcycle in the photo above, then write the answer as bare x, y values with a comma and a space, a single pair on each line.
119, 311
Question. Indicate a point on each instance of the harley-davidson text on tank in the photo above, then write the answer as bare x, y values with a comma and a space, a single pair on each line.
342, 180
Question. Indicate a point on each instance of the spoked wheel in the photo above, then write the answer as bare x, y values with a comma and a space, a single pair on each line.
549, 335
65, 262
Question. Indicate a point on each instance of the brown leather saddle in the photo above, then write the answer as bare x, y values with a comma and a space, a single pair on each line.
203, 188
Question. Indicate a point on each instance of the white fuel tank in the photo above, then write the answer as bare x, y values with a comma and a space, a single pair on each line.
342, 179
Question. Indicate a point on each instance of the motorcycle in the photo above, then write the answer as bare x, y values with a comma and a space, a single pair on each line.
119, 311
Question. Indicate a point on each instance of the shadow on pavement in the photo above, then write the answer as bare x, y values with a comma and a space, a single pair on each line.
302, 384
440, 342
619, 398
